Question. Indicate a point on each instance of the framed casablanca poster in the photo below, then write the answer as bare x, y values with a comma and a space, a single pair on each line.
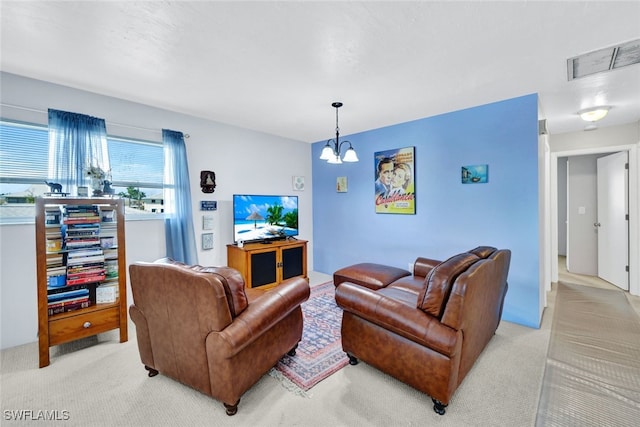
395, 181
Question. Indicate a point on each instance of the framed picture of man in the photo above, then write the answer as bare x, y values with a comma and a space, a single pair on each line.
395, 181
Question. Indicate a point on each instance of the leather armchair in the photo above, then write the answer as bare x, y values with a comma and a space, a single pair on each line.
426, 329
199, 326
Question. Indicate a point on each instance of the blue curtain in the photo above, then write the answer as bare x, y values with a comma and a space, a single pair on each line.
179, 231
76, 142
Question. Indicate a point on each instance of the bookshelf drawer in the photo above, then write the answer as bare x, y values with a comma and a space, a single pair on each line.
83, 325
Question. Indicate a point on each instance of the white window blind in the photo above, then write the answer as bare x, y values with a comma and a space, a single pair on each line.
24, 150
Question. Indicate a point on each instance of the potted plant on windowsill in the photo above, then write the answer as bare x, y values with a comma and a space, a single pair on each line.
97, 177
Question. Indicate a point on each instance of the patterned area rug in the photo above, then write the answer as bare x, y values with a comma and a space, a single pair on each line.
319, 354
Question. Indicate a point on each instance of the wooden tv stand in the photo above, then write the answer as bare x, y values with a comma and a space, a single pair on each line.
265, 265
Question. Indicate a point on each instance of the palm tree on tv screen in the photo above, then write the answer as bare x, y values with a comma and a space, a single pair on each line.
291, 219
274, 214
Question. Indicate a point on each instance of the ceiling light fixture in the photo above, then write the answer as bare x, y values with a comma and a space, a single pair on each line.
594, 114
331, 151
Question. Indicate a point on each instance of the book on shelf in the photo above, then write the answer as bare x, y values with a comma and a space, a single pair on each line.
81, 243
53, 291
85, 260
81, 220
68, 305
86, 270
110, 254
52, 216
69, 294
54, 244
56, 281
82, 232
54, 260
86, 266
81, 208
85, 279
82, 252
56, 270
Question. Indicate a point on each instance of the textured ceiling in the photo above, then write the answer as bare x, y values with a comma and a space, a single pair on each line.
276, 67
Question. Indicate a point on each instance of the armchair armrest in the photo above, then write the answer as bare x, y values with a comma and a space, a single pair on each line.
264, 312
423, 266
388, 313
142, 335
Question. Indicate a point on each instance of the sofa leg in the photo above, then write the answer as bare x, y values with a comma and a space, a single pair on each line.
352, 360
439, 407
231, 409
152, 372
292, 352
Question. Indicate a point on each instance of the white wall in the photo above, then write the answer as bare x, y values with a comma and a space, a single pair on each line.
244, 161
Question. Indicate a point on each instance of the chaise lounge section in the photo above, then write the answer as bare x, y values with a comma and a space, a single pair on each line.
425, 328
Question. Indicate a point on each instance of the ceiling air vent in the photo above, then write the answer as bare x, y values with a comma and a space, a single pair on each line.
604, 60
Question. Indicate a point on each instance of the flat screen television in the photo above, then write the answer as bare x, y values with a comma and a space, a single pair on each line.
263, 218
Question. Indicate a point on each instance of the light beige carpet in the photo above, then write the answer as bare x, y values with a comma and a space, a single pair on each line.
592, 374
100, 382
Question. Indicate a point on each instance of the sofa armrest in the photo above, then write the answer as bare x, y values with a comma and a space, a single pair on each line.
388, 313
263, 312
423, 266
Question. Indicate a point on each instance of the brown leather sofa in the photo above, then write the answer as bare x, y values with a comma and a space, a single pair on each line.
426, 329
201, 327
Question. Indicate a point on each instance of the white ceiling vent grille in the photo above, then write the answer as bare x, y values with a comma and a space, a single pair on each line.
604, 60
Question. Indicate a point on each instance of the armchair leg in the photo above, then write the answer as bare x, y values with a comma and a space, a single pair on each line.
231, 409
439, 407
292, 352
352, 360
152, 372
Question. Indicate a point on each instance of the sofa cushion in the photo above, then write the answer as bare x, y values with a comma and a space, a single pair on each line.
438, 283
411, 284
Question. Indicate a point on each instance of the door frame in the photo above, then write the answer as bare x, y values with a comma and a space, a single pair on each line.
551, 257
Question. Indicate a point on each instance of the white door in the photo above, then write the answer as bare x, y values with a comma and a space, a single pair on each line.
612, 223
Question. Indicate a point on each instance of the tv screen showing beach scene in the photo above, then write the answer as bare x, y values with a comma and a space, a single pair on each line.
259, 218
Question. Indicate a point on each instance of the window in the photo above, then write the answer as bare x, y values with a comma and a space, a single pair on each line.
137, 169
136, 172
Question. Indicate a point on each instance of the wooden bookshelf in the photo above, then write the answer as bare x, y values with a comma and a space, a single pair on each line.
81, 270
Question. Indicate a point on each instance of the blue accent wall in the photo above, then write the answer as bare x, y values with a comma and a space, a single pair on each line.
451, 217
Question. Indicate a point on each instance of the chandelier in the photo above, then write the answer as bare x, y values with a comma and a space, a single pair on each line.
331, 151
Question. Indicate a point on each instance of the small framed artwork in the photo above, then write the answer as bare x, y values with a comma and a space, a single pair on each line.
207, 222
298, 183
207, 241
341, 184
475, 174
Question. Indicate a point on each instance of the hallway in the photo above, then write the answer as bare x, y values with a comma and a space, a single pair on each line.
593, 281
